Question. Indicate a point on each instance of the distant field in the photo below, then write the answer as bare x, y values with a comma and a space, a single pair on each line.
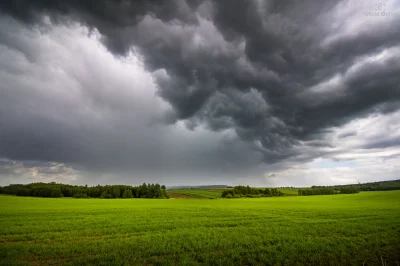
289, 191
351, 229
209, 193
213, 193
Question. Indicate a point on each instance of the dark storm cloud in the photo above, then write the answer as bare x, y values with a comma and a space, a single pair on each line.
382, 143
279, 73
72, 102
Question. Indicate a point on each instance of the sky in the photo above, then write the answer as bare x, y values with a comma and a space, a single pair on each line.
260, 93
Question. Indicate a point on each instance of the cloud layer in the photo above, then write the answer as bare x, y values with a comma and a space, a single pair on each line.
181, 92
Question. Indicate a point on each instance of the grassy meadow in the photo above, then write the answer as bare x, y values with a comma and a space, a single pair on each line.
289, 191
213, 193
355, 229
209, 193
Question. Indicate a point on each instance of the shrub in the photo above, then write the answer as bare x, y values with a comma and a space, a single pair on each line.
225, 193
81, 196
316, 191
246, 191
349, 190
23, 192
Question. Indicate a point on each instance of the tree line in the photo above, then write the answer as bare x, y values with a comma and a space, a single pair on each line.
322, 190
370, 186
316, 191
349, 190
249, 192
376, 186
55, 190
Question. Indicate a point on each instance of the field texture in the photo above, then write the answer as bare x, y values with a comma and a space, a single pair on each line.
290, 191
211, 193
351, 229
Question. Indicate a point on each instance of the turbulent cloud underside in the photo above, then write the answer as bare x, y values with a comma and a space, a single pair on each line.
199, 92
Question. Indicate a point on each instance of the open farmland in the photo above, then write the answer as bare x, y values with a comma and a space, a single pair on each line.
351, 229
209, 193
289, 191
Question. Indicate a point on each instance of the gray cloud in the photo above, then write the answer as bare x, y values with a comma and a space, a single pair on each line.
347, 134
83, 107
277, 76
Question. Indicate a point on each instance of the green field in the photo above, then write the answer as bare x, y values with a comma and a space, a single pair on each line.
210, 193
356, 229
290, 191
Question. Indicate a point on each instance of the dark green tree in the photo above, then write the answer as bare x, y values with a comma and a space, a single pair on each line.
127, 194
116, 193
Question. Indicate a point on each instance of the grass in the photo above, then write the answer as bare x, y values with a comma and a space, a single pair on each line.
352, 229
290, 191
196, 193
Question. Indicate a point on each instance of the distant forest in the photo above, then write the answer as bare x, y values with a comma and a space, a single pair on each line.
371, 186
246, 191
375, 186
249, 192
328, 190
349, 189
55, 190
